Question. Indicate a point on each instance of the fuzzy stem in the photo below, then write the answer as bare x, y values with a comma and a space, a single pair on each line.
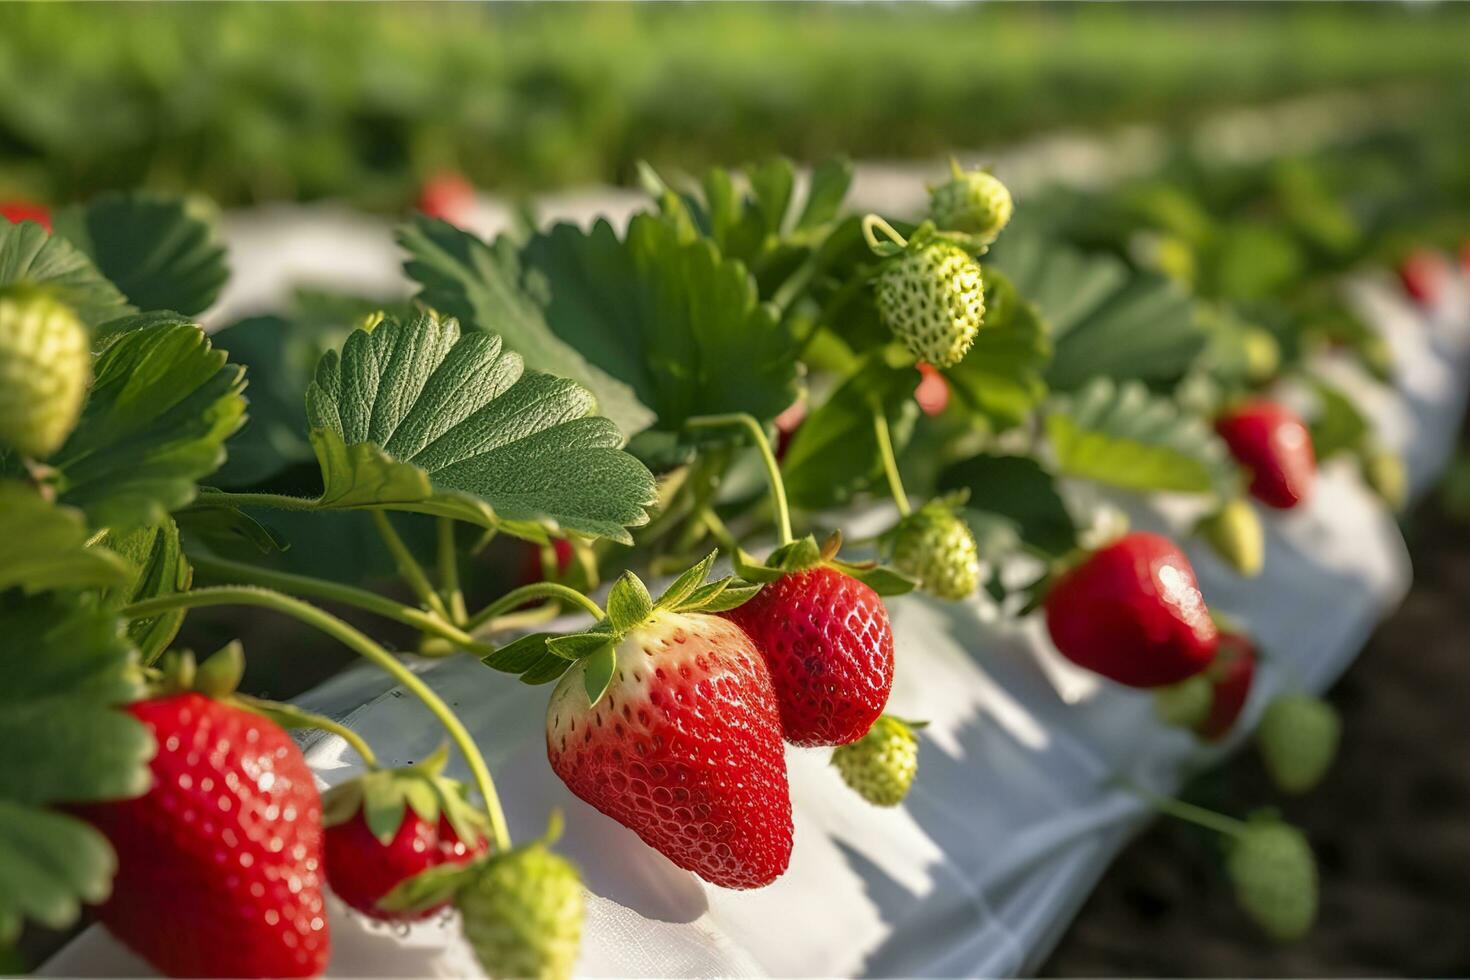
408, 565
449, 572
536, 590
358, 743
890, 463
360, 643
763, 446
275, 500
238, 572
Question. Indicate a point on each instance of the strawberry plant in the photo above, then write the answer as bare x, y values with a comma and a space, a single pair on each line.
734, 377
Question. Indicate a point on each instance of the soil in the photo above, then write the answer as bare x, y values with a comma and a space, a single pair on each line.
1388, 824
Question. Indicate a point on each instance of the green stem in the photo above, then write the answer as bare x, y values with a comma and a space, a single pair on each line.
276, 500
1190, 813
799, 280
449, 572
873, 223
408, 565
358, 743
890, 463
536, 590
359, 642
763, 446
232, 571
523, 619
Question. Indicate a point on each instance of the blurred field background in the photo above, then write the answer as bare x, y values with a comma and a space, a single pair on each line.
255, 103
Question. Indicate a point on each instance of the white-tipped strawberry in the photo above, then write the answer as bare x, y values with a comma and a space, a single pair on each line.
45, 367
973, 202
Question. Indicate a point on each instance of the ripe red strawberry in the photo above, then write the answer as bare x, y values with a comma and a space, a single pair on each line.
389, 825
683, 748
534, 567
18, 211
1423, 274
219, 864
787, 423
1275, 445
828, 643
1133, 613
1230, 681
447, 196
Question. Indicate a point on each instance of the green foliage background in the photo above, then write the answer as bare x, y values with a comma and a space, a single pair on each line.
250, 102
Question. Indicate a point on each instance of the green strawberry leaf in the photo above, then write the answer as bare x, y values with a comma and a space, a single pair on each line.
430, 889
227, 529
44, 546
163, 403
1337, 426
834, 454
1123, 436
1105, 319
722, 599
1000, 379
1013, 492
417, 416
882, 579
521, 654
576, 646
62, 741
162, 251
162, 569
29, 255
628, 603
653, 316
598, 672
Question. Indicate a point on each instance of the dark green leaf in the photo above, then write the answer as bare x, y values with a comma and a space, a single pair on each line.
162, 569
62, 740
416, 416
1105, 319
1001, 378
1016, 490
29, 255
1123, 436
44, 546
225, 529
547, 669
162, 251
519, 655
834, 455
829, 185
163, 404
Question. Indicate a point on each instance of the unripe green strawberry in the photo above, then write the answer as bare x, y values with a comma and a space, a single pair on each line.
1298, 740
523, 913
1385, 473
933, 299
880, 767
1186, 704
1235, 533
1262, 354
1275, 877
935, 546
973, 202
45, 367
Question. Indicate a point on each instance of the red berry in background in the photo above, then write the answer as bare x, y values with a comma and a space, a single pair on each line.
1465, 256
932, 392
684, 748
220, 863
533, 569
1230, 678
1132, 612
1275, 445
829, 646
1424, 274
18, 211
362, 867
447, 196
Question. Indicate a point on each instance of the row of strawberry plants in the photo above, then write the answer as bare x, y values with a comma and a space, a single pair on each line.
612, 399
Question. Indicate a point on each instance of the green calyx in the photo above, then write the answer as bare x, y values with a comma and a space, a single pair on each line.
216, 678
935, 546
543, 657
1298, 738
973, 203
881, 766
386, 796
45, 369
805, 553
1186, 704
1274, 874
